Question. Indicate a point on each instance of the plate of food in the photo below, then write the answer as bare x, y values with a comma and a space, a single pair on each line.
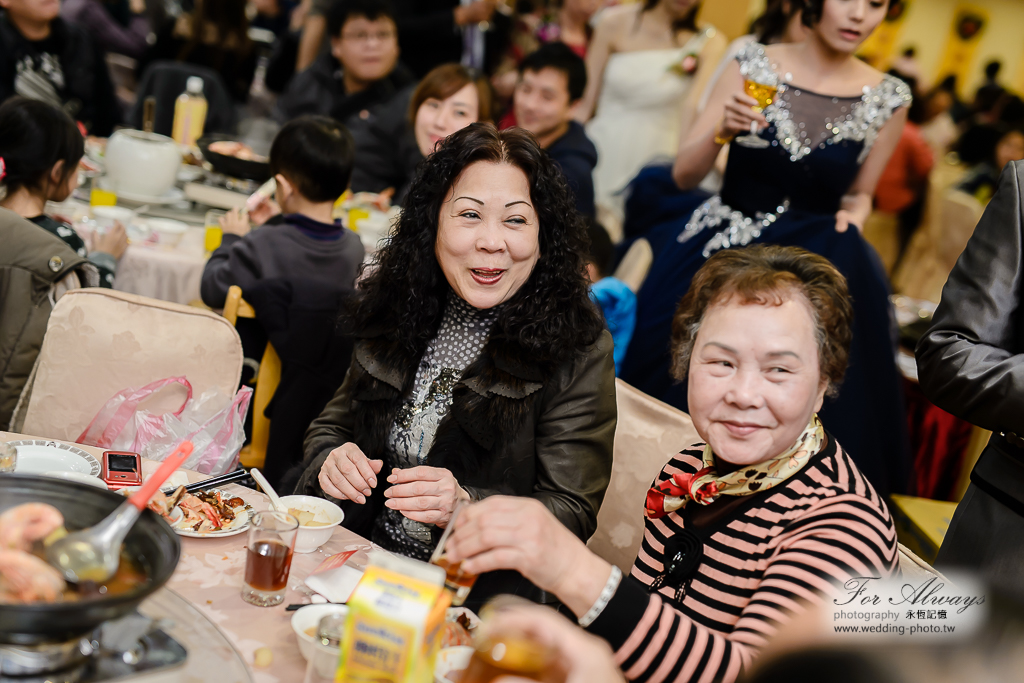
39, 456
204, 514
234, 158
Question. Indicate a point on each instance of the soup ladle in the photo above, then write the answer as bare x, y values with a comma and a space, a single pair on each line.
94, 553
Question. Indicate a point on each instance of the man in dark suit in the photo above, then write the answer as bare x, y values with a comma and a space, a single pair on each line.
971, 363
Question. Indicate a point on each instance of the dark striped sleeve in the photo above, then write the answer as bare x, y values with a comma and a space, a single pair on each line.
841, 536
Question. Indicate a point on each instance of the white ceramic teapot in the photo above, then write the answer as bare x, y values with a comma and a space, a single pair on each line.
142, 163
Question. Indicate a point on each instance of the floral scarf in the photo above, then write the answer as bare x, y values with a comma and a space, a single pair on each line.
705, 485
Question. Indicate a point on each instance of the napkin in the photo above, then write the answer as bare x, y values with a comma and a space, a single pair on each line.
334, 579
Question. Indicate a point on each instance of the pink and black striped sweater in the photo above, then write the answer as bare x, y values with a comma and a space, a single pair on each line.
760, 558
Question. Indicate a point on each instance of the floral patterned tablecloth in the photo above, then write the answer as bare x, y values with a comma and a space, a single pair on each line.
209, 576
210, 573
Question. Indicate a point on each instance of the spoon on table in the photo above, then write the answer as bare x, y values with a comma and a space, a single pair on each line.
275, 501
94, 553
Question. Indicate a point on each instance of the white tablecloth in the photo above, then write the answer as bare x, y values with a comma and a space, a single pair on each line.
162, 273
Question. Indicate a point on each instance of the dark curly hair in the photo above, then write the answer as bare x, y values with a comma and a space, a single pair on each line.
551, 318
765, 274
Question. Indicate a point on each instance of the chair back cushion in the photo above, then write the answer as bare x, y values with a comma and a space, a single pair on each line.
648, 433
100, 341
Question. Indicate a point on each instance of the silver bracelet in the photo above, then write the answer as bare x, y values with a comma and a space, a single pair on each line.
602, 601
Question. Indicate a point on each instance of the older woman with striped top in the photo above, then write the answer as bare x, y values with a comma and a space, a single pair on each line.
743, 530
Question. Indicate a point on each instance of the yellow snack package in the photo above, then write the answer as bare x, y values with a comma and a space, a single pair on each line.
395, 620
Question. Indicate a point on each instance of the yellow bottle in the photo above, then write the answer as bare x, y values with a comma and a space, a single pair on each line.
190, 113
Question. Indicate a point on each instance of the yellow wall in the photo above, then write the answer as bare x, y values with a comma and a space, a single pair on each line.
927, 27
928, 24
732, 17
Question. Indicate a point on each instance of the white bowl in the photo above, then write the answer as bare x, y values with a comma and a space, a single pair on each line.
78, 477
142, 163
310, 538
451, 659
310, 616
106, 215
168, 232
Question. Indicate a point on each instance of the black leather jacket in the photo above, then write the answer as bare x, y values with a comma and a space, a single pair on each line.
971, 361
511, 430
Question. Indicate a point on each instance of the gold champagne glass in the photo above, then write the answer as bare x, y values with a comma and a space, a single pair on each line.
765, 95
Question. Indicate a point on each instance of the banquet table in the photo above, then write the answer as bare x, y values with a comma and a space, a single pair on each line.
159, 272
209, 576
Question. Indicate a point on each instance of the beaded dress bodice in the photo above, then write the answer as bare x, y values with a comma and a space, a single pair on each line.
817, 145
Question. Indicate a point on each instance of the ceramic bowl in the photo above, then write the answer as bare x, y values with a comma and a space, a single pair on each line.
310, 538
309, 617
451, 659
168, 232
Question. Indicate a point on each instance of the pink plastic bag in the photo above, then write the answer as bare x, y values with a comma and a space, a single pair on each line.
118, 412
213, 423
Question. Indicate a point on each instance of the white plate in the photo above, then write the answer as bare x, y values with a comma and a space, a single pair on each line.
239, 524
38, 456
77, 477
172, 196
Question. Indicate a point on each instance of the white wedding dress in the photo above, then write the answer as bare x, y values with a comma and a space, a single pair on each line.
638, 115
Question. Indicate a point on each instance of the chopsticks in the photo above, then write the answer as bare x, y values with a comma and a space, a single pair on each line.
228, 478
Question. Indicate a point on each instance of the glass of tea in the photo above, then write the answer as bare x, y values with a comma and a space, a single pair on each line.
269, 557
507, 652
765, 95
455, 580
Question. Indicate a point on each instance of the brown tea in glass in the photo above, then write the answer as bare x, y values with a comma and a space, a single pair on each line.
515, 656
268, 558
455, 580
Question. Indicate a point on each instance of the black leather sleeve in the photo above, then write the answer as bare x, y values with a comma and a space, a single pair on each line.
971, 361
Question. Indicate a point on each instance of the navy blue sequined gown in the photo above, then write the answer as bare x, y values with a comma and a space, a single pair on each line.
786, 194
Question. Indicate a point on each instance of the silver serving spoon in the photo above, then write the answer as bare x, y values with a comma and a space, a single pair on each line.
94, 553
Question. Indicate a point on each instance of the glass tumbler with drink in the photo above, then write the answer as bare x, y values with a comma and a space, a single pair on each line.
269, 557
457, 581
764, 93
8, 457
214, 231
508, 653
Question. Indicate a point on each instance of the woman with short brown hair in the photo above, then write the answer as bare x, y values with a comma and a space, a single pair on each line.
448, 99
766, 514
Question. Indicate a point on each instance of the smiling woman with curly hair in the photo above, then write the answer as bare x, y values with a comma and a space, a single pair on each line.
481, 365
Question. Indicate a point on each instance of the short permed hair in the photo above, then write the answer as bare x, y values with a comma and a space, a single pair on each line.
343, 10
813, 10
559, 56
315, 154
770, 275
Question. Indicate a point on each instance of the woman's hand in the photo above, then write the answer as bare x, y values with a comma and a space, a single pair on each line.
738, 116
235, 223
425, 494
579, 656
504, 532
114, 241
855, 211
348, 474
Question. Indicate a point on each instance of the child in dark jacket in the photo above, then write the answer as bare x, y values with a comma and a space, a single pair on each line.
311, 160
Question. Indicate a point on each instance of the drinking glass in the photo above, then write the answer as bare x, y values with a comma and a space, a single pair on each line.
8, 457
269, 557
765, 95
515, 654
455, 580
214, 232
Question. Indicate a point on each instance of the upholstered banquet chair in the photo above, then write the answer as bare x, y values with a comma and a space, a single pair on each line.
100, 341
648, 433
